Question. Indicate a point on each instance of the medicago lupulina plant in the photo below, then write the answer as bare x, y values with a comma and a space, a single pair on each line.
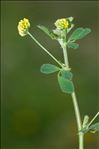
61, 32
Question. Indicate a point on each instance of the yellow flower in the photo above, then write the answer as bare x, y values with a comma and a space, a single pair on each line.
23, 27
62, 23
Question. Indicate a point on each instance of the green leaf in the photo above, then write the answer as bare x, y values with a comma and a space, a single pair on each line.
66, 85
79, 33
66, 74
47, 31
70, 19
49, 68
94, 128
73, 45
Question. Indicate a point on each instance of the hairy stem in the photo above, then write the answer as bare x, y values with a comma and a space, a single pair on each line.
44, 49
75, 103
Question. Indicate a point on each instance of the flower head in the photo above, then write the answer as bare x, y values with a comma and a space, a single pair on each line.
62, 23
23, 27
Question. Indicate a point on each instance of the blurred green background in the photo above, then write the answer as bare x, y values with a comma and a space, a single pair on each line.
35, 113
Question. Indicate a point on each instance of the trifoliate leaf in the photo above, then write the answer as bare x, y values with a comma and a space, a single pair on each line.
49, 68
66, 85
79, 33
47, 31
73, 45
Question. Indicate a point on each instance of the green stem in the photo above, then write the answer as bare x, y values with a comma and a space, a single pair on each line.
75, 103
93, 119
65, 57
45, 49
78, 119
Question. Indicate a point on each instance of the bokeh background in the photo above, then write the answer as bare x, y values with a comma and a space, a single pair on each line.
35, 113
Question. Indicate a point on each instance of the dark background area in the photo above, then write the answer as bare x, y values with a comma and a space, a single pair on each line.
35, 113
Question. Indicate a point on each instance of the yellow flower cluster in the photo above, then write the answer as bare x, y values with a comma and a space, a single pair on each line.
62, 23
23, 27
